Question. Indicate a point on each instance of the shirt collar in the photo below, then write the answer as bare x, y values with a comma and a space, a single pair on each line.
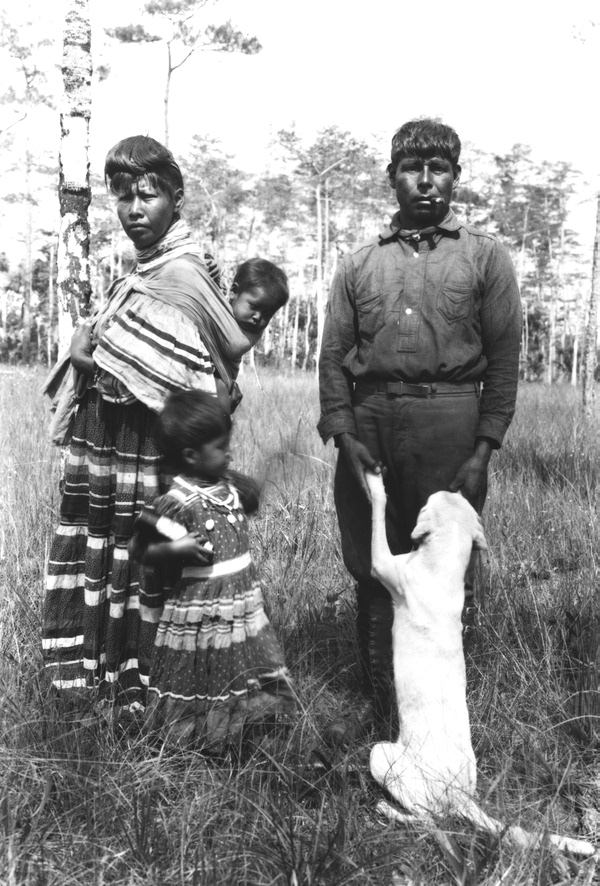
389, 232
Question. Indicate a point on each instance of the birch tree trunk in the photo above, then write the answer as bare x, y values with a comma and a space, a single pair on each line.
28, 263
591, 329
294, 356
74, 288
320, 299
284, 334
50, 331
167, 95
307, 336
551, 338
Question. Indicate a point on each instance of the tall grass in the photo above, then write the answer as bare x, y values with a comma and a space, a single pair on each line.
99, 803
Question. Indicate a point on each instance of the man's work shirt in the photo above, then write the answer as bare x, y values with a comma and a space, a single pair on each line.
444, 308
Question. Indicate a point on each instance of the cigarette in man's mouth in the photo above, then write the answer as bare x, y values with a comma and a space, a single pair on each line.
436, 199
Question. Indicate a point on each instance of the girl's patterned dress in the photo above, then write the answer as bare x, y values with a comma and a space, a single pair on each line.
217, 662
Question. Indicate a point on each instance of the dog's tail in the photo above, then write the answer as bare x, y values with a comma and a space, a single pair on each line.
472, 812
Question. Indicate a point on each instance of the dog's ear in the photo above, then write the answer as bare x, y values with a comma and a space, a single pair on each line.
479, 542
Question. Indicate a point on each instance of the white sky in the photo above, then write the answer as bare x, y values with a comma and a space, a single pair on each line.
500, 72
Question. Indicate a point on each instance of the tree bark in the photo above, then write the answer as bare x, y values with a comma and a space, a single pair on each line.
28, 269
320, 300
295, 333
591, 329
74, 287
167, 95
50, 333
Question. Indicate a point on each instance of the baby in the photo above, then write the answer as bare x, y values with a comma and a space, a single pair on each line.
229, 329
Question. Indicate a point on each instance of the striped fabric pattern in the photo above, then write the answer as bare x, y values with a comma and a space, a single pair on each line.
93, 636
100, 611
217, 662
155, 350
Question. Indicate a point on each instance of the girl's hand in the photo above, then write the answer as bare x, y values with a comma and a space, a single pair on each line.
192, 549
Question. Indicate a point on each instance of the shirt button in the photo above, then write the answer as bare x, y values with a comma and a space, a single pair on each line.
408, 311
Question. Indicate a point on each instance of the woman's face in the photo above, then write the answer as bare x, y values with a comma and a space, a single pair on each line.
146, 212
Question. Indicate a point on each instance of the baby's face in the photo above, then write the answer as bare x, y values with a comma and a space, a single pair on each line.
254, 309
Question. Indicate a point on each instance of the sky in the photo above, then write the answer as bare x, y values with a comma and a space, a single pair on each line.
498, 72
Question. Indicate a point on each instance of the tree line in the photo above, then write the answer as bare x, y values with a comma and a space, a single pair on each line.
315, 200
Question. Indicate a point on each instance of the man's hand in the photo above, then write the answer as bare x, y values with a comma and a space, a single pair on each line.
359, 459
471, 478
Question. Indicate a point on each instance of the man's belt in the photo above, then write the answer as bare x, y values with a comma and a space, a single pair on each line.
406, 389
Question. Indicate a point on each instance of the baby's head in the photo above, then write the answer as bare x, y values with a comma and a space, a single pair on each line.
258, 290
194, 434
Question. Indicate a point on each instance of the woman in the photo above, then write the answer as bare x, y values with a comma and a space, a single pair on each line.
99, 615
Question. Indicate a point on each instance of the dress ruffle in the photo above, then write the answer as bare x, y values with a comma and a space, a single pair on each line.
217, 662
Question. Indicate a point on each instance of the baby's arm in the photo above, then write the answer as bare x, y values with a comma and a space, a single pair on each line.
82, 349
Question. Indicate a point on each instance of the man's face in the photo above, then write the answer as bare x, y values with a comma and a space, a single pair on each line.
423, 188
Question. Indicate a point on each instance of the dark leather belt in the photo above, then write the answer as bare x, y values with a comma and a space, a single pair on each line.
406, 389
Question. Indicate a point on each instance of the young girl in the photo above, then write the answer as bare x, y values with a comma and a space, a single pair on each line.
217, 664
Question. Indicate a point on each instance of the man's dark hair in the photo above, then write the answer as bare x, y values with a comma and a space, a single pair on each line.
261, 272
425, 138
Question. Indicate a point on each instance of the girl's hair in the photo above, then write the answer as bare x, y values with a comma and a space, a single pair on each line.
260, 272
137, 156
189, 419
425, 138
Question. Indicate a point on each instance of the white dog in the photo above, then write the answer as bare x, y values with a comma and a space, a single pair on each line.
431, 770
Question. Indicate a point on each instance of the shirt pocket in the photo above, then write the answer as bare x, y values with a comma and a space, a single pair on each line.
455, 299
368, 309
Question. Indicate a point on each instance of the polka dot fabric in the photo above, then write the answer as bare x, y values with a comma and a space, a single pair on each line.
217, 662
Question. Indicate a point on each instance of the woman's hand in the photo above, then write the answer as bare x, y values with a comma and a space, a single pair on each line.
82, 349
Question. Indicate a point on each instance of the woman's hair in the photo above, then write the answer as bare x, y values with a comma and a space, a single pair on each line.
260, 272
189, 419
425, 138
137, 156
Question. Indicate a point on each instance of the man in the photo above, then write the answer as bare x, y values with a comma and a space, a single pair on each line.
418, 373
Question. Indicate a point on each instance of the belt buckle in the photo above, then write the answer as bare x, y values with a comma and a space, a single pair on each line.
426, 389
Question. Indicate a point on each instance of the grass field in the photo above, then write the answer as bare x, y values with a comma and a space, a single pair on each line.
93, 803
